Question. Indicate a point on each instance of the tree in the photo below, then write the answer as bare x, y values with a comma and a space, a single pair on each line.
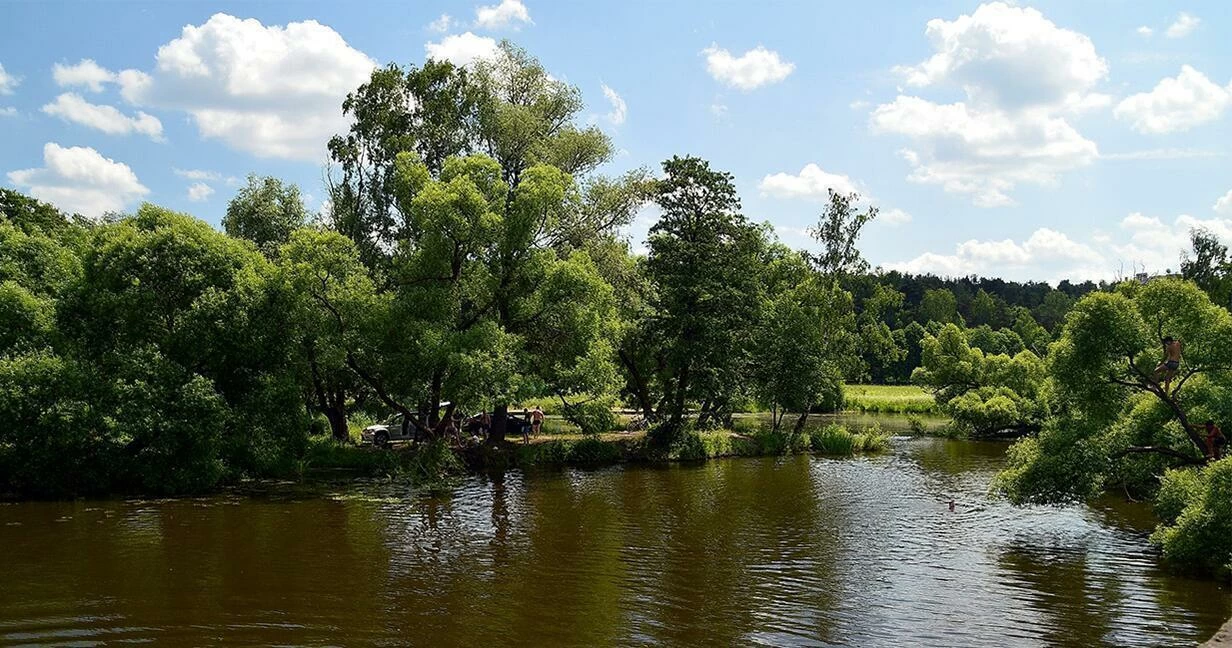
985, 393
265, 211
1113, 414
939, 305
1051, 312
1208, 266
805, 342
704, 268
837, 230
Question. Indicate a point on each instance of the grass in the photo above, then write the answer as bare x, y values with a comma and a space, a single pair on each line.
889, 399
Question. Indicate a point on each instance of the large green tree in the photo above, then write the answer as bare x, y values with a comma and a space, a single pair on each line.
704, 267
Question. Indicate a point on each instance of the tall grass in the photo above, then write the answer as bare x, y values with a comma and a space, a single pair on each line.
889, 399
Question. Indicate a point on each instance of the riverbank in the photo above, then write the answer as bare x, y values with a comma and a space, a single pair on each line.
1221, 639
431, 464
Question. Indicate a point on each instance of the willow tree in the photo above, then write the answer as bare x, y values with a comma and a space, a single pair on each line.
1114, 413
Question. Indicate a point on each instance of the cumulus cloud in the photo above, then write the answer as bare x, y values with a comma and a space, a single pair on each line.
8, 82
79, 179
1046, 250
72, 107
441, 24
463, 49
1140, 242
619, 109
509, 13
753, 69
1175, 104
894, 216
1145, 31
1022, 76
1224, 204
811, 183
1185, 25
8, 111
982, 153
1009, 56
85, 73
273, 91
199, 191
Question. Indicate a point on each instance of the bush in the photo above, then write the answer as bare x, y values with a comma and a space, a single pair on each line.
1200, 537
593, 417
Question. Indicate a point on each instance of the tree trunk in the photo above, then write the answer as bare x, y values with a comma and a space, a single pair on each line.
500, 420
799, 427
640, 390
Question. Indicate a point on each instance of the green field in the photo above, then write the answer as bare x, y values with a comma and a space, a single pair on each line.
900, 399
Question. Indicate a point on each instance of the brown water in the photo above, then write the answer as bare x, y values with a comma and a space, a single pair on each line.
795, 551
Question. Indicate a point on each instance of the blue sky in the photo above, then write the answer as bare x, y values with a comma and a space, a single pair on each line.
1041, 140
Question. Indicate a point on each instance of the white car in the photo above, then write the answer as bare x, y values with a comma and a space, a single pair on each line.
381, 434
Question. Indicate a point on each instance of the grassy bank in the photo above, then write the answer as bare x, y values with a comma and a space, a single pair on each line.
436, 464
888, 399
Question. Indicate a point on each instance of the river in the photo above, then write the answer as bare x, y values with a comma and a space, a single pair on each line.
793, 551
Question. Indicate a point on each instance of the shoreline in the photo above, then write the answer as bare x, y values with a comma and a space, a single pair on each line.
1222, 637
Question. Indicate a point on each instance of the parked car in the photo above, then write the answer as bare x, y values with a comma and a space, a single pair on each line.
381, 434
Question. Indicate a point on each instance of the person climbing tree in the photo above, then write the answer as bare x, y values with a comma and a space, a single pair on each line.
1171, 362
1215, 440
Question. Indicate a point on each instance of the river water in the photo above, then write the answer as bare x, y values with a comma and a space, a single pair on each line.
793, 551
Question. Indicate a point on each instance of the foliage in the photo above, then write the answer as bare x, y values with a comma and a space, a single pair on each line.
983, 393
1199, 537
265, 212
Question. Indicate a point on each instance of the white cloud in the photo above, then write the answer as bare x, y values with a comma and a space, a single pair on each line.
1175, 104
509, 13
619, 109
1145, 31
199, 191
894, 216
811, 183
1161, 154
197, 174
1009, 56
71, 107
441, 24
272, 91
8, 111
79, 179
1184, 26
753, 69
85, 73
1022, 76
1224, 204
8, 82
463, 49
984, 154
1046, 251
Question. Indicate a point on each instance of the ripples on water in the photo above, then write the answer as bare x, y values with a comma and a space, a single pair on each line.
794, 551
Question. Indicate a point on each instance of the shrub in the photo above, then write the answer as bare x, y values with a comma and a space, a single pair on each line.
1200, 537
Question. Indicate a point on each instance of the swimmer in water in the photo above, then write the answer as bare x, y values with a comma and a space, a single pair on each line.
951, 505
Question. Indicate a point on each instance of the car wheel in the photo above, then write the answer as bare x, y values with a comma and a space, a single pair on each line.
381, 440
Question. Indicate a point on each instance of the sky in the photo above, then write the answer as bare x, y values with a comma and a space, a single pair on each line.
1032, 141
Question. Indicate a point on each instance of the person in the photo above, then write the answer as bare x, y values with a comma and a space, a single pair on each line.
485, 424
536, 421
525, 422
1171, 362
1215, 440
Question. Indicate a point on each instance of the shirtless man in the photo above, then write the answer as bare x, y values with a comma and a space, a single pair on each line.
536, 421
1171, 362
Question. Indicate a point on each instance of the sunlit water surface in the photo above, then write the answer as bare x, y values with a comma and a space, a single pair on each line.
795, 551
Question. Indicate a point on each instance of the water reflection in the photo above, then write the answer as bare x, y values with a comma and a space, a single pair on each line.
793, 551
